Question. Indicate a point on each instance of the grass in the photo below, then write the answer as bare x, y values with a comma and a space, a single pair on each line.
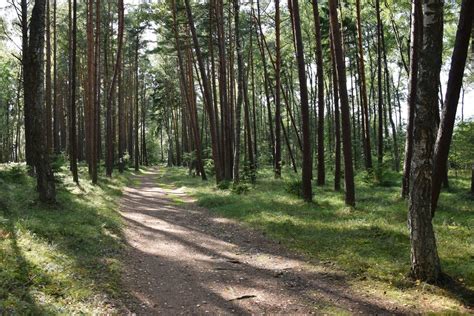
369, 242
64, 258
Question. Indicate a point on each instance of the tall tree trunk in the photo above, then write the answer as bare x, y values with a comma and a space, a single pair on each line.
224, 102
207, 94
56, 126
380, 108
307, 161
321, 180
337, 123
445, 131
137, 81
240, 94
90, 96
34, 98
48, 95
117, 71
425, 265
277, 161
363, 91
344, 99
416, 32
388, 82
27, 110
72, 101
266, 83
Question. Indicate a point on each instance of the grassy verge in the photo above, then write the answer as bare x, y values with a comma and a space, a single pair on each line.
60, 259
369, 242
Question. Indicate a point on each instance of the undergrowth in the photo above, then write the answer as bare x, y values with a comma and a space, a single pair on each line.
62, 258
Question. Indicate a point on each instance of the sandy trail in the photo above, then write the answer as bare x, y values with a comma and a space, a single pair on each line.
185, 260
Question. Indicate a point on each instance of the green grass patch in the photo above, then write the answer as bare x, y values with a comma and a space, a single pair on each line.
370, 242
62, 258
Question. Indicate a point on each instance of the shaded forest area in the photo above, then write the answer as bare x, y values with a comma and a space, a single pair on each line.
357, 114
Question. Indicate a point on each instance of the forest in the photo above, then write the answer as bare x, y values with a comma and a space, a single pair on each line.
236, 157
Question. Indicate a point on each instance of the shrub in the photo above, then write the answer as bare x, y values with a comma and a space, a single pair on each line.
223, 185
240, 188
294, 187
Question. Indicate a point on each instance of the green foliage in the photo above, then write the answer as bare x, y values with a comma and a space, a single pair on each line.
370, 242
61, 259
461, 154
380, 175
241, 188
223, 185
294, 187
58, 161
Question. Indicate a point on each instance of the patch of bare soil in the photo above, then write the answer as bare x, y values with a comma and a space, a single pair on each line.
185, 260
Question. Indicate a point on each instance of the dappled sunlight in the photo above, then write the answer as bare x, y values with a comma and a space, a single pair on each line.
234, 268
369, 242
68, 251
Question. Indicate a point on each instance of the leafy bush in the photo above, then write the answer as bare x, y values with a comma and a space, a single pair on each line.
294, 187
58, 161
247, 174
223, 185
14, 173
241, 188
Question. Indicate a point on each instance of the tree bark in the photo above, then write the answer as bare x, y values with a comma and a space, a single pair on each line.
27, 111
344, 99
207, 94
445, 131
277, 161
136, 116
321, 180
416, 29
240, 93
380, 108
425, 265
307, 161
72, 101
363, 91
34, 98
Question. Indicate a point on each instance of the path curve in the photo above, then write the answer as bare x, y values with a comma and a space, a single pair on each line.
185, 260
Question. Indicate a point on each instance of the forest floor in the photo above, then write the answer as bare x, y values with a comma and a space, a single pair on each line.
181, 245
183, 258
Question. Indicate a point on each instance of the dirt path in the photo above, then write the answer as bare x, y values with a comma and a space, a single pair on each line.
184, 260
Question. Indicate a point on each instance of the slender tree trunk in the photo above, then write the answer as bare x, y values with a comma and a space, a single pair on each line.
320, 78
266, 83
445, 131
241, 87
344, 99
277, 146
307, 161
207, 94
337, 123
416, 29
72, 101
48, 100
380, 108
136, 117
224, 102
111, 92
363, 91
27, 111
425, 265
388, 82
56, 127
